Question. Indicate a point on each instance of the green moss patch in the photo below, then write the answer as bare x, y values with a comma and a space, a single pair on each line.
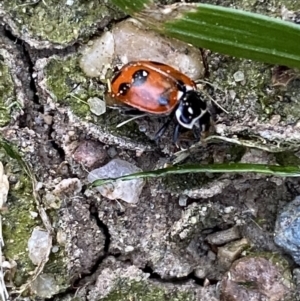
18, 222
60, 22
7, 95
146, 292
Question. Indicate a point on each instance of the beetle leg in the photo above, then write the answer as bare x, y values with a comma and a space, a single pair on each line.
176, 133
197, 131
165, 126
132, 112
163, 129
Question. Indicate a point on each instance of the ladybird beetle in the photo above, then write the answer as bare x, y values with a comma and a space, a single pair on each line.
156, 88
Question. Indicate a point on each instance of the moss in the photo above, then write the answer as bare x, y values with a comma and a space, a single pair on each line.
236, 153
146, 292
44, 20
18, 223
7, 95
179, 183
62, 75
255, 95
251, 95
287, 159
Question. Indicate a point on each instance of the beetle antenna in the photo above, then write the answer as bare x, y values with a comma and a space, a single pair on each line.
218, 105
211, 99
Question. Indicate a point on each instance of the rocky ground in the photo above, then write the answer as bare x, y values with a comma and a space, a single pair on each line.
183, 237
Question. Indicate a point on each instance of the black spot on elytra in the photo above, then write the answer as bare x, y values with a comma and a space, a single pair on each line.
139, 77
124, 88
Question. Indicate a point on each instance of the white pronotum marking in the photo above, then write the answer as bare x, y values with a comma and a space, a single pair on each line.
190, 110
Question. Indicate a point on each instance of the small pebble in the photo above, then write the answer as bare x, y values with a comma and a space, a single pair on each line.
55, 249
252, 279
112, 152
223, 237
287, 229
128, 191
231, 251
126, 42
39, 245
97, 105
129, 249
33, 214
90, 153
45, 286
70, 186
239, 76
96, 57
183, 200
61, 237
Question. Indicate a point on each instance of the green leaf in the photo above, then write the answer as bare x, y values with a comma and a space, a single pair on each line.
239, 33
280, 171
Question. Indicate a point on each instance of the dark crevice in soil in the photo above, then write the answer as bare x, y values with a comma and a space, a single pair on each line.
102, 227
149, 270
10, 36
60, 296
293, 187
94, 215
59, 150
27, 59
180, 280
32, 82
26, 118
201, 281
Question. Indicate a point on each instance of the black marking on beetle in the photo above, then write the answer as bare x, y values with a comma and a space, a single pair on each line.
157, 63
139, 77
181, 86
116, 76
124, 88
191, 106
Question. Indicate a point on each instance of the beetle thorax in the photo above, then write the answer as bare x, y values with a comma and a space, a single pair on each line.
191, 108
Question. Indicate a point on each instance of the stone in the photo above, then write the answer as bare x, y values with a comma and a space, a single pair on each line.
287, 229
39, 246
128, 191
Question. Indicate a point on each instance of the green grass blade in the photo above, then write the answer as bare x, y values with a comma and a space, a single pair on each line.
239, 33
10, 150
275, 170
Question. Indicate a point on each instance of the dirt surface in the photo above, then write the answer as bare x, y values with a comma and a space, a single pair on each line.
163, 247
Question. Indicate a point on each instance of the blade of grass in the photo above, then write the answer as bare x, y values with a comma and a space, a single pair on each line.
275, 170
225, 30
239, 33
